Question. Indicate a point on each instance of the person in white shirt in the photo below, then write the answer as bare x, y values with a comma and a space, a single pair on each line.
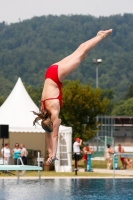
6, 154
76, 151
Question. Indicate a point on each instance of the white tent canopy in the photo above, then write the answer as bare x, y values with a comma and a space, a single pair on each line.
16, 111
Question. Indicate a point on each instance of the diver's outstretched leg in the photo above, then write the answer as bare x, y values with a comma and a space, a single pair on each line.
71, 62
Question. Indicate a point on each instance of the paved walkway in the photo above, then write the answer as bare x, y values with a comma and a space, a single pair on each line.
65, 177
127, 172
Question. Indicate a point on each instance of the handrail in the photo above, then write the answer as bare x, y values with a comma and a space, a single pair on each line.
128, 155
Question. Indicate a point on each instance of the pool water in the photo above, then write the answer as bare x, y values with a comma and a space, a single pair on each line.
67, 189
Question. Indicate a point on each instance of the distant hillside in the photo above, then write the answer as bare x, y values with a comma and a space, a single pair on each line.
29, 47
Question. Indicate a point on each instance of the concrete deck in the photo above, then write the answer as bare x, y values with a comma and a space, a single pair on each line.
64, 177
127, 172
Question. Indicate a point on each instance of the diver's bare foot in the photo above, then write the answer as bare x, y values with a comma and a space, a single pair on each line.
51, 159
50, 154
104, 34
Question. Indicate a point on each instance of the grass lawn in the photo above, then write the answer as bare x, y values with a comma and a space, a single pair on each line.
58, 174
65, 174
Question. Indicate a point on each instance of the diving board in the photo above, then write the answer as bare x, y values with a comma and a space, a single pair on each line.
21, 168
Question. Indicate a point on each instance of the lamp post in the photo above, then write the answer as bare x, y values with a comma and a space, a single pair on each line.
97, 61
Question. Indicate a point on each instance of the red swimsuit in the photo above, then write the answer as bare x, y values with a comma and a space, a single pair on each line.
52, 73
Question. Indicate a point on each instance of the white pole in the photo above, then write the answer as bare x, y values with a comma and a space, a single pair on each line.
97, 76
39, 165
114, 166
38, 158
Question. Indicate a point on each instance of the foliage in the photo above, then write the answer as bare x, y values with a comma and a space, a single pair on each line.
29, 47
1, 100
129, 93
35, 94
110, 95
123, 108
81, 105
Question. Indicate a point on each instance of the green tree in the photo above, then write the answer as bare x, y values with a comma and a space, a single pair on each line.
29, 47
109, 94
1, 100
35, 94
81, 105
129, 93
123, 108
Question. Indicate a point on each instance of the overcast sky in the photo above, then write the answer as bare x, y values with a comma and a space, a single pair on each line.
13, 10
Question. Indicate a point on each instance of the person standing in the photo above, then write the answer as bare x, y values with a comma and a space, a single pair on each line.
86, 150
6, 154
76, 151
108, 153
23, 154
16, 153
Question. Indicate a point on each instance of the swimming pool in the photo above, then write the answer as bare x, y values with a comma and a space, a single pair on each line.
67, 189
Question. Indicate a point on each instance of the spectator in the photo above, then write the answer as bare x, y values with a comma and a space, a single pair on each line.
16, 153
108, 153
130, 162
6, 154
76, 150
123, 159
23, 154
86, 150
